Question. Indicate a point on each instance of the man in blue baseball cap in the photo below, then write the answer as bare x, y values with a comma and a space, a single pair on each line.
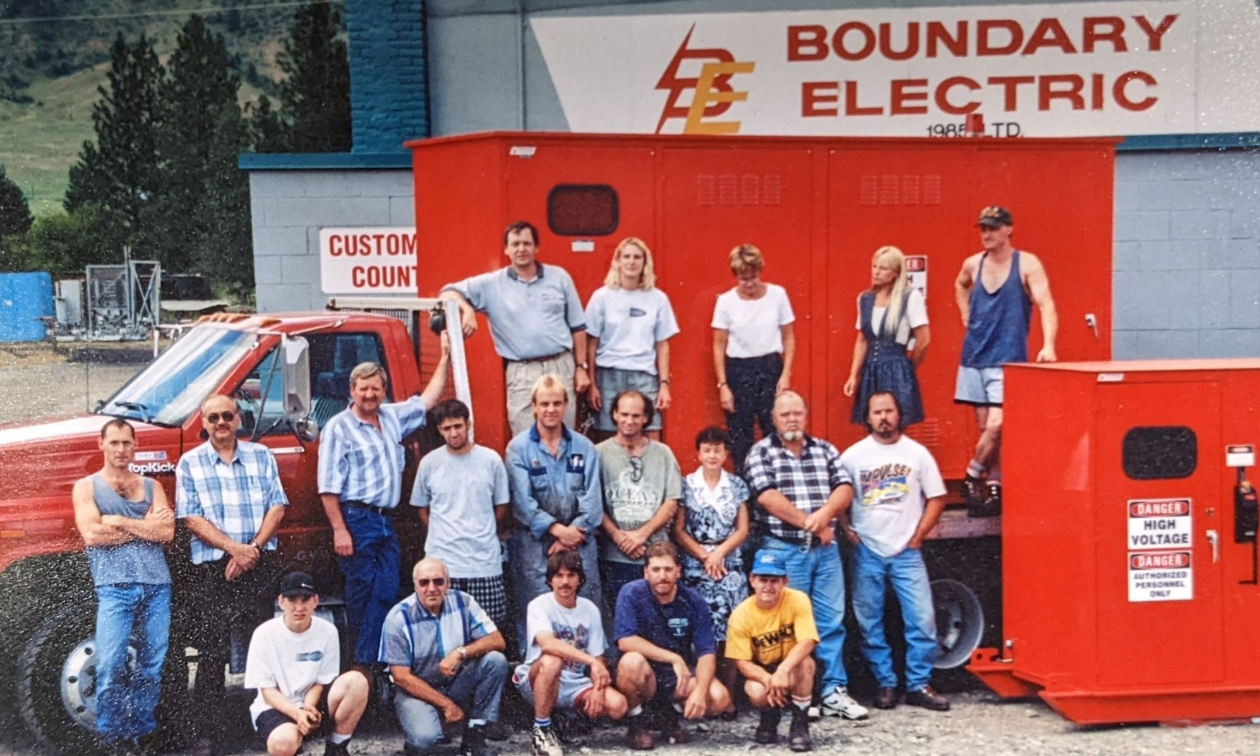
771, 637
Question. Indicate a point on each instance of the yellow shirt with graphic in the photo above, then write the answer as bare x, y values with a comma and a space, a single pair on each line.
768, 636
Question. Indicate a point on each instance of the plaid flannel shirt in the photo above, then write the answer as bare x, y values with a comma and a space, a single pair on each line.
233, 496
806, 482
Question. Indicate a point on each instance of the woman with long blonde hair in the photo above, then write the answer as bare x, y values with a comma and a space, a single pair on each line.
628, 325
890, 314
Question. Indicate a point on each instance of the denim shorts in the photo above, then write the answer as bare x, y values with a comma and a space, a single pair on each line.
979, 386
612, 381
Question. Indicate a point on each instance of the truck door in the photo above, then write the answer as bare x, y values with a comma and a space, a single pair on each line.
1159, 501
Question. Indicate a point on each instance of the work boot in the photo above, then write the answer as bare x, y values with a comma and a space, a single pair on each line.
886, 698
672, 729
984, 498
972, 490
927, 698
798, 731
637, 736
337, 749
474, 743
496, 731
768, 730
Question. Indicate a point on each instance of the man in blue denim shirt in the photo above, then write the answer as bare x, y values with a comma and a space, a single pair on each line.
557, 497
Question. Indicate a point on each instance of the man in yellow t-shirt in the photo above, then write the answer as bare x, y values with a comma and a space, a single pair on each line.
771, 637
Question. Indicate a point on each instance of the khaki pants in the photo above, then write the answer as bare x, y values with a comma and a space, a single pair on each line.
521, 377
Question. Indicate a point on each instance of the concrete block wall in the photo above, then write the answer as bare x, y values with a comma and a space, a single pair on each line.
1187, 254
289, 209
388, 78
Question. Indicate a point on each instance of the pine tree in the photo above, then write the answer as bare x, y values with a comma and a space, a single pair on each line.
315, 98
15, 214
118, 172
268, 131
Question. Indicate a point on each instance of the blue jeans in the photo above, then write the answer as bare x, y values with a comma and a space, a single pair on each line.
479, 682
909, 579
820, 573
138, 615
372, 579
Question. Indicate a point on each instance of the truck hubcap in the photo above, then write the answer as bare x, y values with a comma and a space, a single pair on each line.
959, 622
78, 683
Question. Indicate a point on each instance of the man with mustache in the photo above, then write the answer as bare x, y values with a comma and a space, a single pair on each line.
900, 496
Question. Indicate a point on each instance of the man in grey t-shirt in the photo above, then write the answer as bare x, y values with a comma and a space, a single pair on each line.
642, 486
462, 495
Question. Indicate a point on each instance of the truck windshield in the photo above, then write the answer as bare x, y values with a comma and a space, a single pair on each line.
178, 381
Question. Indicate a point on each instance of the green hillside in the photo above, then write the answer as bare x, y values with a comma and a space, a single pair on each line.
49, 71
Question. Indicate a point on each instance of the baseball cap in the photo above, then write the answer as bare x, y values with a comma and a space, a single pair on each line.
994, 216
769, 563
297, 584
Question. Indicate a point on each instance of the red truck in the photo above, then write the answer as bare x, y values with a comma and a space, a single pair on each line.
290, 374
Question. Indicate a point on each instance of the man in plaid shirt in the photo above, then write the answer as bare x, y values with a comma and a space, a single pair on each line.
801, 488
229, 495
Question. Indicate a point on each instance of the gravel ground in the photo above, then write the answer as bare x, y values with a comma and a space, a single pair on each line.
39, 384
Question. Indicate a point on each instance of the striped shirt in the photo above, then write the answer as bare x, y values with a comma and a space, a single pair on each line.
233, 496
357, 462
806, 482
413, 637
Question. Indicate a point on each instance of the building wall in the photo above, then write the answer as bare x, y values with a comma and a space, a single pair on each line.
388, 82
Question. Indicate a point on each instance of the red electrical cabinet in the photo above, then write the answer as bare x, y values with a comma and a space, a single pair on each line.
818, 208
1129, 584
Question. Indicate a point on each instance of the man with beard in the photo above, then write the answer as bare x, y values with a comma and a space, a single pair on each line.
900, 496
801, 488
665, 633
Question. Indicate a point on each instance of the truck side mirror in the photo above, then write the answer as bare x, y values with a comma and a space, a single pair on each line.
297, 388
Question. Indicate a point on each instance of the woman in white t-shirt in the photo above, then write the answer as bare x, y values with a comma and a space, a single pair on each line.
890, 315
753, 349
628, 326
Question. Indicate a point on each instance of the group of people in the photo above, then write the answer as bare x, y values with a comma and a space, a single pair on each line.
602, 538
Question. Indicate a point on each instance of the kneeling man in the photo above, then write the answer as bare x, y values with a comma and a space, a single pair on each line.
293, 663
665, 631
771, 637
564, 665
444, 653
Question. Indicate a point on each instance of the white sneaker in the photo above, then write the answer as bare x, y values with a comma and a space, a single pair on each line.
546, 743
837, 703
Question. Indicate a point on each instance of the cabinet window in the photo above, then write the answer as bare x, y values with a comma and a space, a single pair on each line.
1160, 452
582, 210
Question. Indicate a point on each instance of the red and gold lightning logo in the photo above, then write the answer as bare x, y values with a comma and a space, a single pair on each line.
712, 93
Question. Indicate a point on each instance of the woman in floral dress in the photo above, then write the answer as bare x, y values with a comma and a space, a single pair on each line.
710, 529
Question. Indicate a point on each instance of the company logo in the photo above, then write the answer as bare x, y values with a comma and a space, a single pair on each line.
711, 91
153, 468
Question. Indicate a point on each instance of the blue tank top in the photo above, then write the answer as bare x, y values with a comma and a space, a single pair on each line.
135, 561
997, 329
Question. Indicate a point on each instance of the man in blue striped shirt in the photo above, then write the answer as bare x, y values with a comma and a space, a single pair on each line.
228, 493
360, 483
446, 657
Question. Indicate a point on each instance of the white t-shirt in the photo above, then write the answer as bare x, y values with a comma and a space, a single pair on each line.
753, 324
461, 492
292, 662
914, 316
580, 627
891, 482
628, 323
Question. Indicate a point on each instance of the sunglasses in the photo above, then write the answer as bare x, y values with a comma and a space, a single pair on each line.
636, 469
214, 417
424, 582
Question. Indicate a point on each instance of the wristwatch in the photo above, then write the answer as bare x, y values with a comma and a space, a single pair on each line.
665, 381
463, 653
722, 385
584, 365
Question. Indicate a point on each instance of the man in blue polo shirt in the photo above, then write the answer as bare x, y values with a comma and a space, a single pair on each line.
360, 483
665, 633
557, 498
536, 321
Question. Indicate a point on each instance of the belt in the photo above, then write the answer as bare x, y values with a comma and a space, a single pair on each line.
382, 511
544, 359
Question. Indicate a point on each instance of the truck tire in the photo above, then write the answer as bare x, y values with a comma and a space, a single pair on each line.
56, 681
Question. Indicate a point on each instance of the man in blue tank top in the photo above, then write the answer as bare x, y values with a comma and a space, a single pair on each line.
124, 519
995, 291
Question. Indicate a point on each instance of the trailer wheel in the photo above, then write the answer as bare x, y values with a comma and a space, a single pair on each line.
56, 682
960, 623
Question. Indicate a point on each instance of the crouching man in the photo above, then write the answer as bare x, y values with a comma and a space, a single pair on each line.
665, 631
564, 664
293, 663
444, 654
771, 637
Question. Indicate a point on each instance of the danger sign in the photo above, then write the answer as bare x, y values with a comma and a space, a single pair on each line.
1159, 523
916, 273
1161, 576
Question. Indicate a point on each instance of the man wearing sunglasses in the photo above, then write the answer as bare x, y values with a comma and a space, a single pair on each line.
642, 486
446, 657
228, 493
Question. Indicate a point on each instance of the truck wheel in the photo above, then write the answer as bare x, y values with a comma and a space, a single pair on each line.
960, 623
56, 681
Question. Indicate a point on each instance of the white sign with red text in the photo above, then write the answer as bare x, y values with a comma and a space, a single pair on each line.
1070, 69
1161, 576
367, 260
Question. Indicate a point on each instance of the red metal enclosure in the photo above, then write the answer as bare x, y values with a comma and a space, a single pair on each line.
1126, 595
818, 209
